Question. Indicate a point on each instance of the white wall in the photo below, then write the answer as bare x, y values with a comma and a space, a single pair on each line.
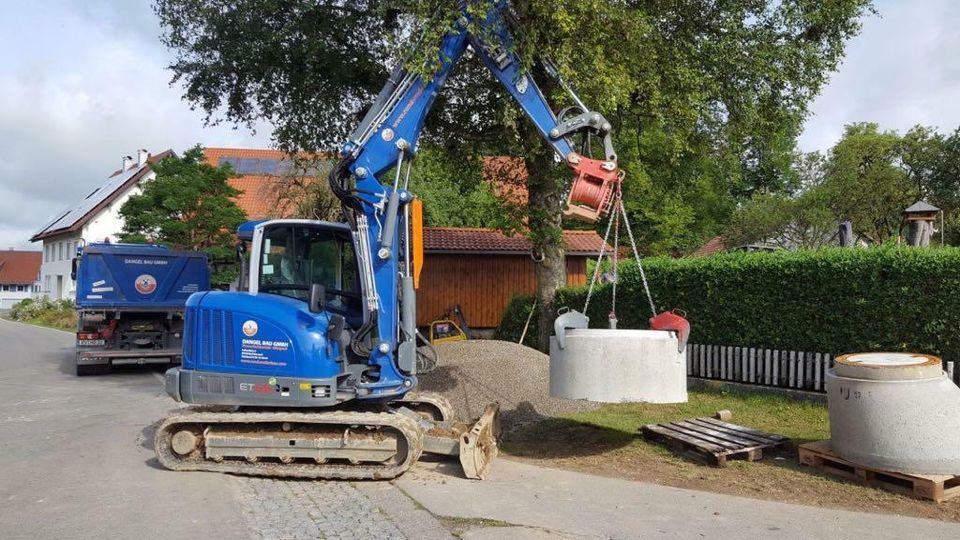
11, 294
55, 279
58, 252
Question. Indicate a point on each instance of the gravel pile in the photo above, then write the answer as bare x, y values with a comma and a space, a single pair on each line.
473, 373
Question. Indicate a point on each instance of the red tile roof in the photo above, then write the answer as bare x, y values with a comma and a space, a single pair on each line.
715, 245
258, 197
467, 240
19, 267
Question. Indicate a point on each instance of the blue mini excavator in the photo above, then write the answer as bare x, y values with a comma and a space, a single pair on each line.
316, 360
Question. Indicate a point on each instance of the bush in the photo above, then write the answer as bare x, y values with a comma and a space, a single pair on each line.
514, 318
831, 300
55, 313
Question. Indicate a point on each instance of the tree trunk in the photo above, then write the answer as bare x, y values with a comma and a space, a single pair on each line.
545, 190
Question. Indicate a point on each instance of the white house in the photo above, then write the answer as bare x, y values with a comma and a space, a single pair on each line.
19, 276
94, 219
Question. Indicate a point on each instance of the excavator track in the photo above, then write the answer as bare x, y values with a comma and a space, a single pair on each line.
430, 405
334, 445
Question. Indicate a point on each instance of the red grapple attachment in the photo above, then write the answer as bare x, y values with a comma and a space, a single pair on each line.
673, 321
592, 189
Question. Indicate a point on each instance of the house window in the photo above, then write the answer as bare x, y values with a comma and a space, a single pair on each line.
59, 251
19, 288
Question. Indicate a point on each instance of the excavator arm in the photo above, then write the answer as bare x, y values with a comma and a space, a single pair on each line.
377, 207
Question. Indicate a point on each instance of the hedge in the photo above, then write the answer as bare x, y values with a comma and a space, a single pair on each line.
831, 300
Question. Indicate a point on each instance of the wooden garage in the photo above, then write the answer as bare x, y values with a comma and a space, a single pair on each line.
482, 269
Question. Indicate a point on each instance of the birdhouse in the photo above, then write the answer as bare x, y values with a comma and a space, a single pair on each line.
920, 217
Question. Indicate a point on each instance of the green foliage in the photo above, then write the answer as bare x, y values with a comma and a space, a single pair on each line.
455, 195
864, 183
45, 312
870, 177
189, 205
804, 221
829, 300
706, 102
515, 317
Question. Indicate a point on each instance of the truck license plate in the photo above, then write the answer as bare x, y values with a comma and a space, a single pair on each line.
90, 342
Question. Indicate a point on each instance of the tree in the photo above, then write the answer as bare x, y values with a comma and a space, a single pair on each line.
731, 80
866, 183
801, 222
188, 205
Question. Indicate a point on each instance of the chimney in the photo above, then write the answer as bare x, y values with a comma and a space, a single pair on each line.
127, 162
142, 157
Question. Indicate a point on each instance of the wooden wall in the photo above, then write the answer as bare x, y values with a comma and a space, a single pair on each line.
482, 284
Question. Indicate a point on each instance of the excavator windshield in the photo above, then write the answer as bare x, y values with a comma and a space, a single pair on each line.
294, 257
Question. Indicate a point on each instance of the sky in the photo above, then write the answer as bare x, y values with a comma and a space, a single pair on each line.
84, 83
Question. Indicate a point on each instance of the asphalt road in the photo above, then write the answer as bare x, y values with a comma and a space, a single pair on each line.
76, 461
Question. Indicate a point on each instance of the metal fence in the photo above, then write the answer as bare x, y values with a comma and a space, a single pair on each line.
769, 367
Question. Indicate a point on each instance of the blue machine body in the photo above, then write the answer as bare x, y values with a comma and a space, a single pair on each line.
258, 334
138, 276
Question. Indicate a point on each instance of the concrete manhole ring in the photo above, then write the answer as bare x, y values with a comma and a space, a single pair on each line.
888, 366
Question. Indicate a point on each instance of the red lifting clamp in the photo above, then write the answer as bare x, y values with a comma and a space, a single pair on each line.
673, 321
592, 190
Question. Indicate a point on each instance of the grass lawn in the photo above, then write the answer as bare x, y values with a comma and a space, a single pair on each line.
606, 441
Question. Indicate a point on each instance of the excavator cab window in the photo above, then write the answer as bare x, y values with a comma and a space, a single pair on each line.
295, 257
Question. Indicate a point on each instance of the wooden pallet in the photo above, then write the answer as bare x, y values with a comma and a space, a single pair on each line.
712, 440
934, 487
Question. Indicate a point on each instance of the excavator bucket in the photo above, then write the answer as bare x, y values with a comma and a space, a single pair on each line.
592, 190
673, 321
478, 447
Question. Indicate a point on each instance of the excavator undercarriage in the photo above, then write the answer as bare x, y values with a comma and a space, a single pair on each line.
332, 445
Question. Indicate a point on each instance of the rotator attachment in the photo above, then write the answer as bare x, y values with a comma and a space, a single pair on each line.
592, 190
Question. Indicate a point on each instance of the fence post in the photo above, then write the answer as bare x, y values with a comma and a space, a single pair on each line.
723, 363
817, 364
766, 366
792, 369
776, 368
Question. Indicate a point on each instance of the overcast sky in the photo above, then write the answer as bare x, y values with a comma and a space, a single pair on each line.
83, 83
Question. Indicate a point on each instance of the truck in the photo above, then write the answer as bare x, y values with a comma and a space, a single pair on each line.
130, 303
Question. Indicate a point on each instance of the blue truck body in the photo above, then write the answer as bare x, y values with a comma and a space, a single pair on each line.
137, 276
130, 303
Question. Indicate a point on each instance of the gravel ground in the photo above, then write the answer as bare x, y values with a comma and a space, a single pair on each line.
473, 373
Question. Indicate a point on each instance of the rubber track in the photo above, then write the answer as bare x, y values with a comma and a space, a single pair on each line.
437, 400
407, 427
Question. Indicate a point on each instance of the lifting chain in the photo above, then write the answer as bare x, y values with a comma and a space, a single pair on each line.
614, 226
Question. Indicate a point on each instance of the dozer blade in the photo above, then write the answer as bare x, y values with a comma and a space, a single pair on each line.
478, 447
475, 446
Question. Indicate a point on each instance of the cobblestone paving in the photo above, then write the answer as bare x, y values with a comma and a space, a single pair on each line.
301, 510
